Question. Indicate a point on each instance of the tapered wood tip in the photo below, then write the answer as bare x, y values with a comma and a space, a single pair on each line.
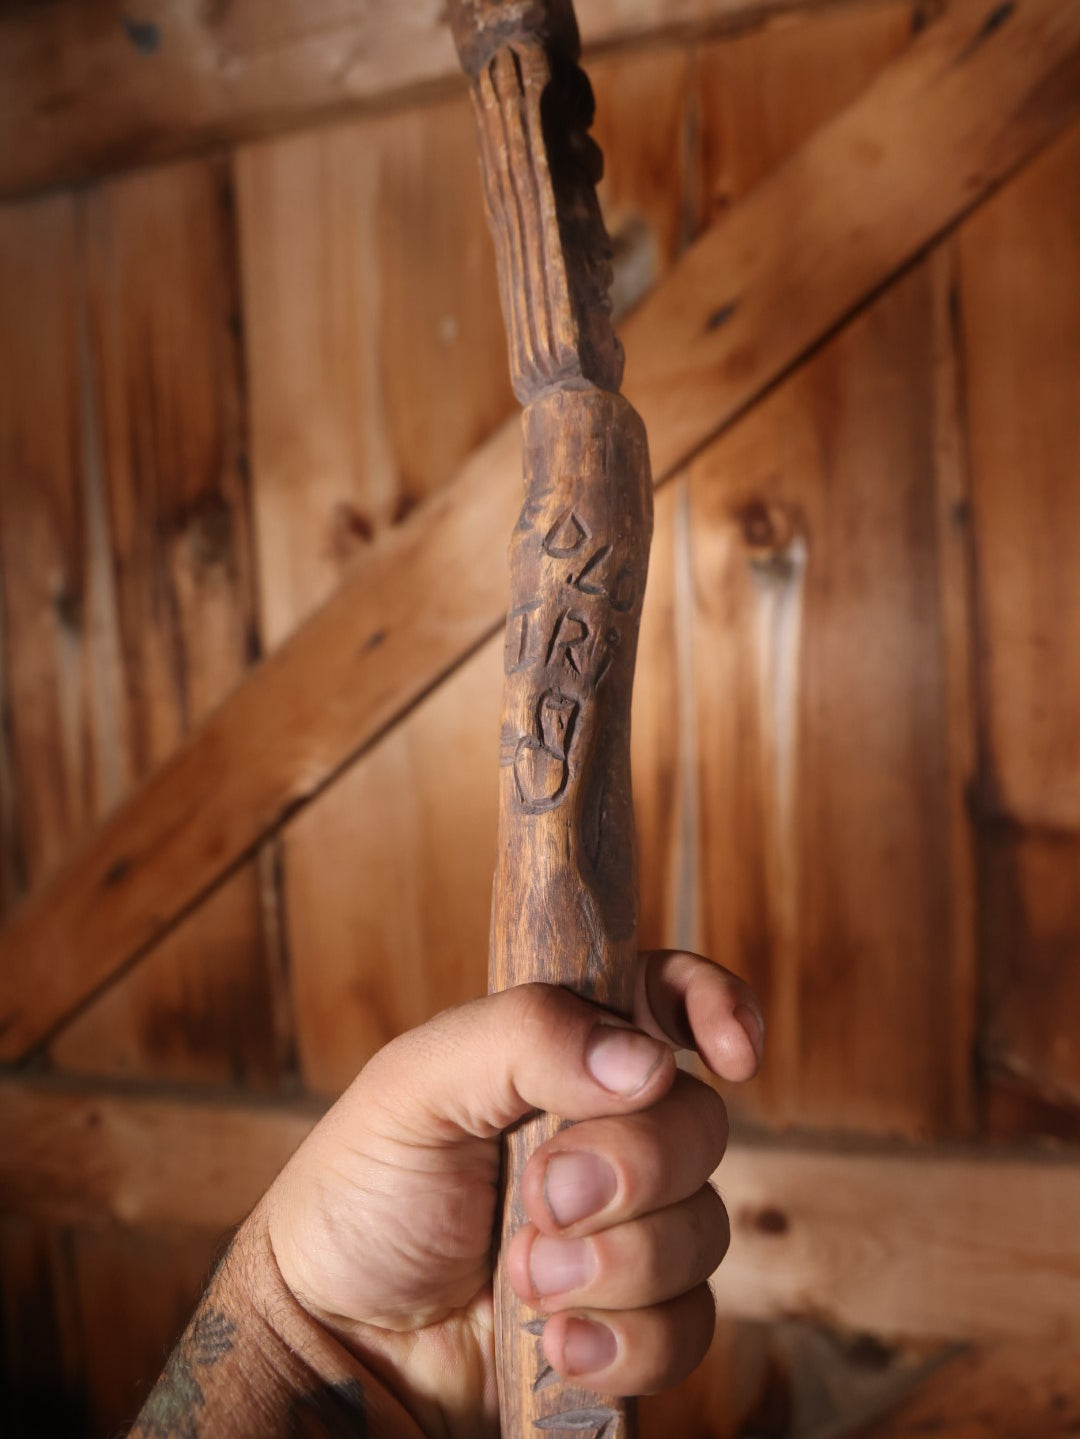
481, 27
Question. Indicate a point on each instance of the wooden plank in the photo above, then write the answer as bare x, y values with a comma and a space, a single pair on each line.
375, 363
644, 126
1029, 941
902, 1243
823, 1233
162, 307
134, 1295
833, 833
200, 1009
415, 819
40, 1344
88, 89
66, 730
758, 95
933, 121
437, 770
918, 148
11, 880
1021, 354
1028, 1389
100, 1158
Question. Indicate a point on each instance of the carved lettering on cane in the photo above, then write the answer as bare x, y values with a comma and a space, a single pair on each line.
522, 641
568, 641
542, 760
566, 536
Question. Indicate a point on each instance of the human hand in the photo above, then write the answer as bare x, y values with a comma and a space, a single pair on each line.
381, 1224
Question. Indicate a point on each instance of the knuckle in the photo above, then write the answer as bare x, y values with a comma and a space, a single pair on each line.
717, 1227
714, 1122
536, 1011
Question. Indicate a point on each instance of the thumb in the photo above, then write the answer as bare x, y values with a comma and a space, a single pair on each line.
477, 1069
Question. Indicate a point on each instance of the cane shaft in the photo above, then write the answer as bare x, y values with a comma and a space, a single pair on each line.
565, 904
564, 907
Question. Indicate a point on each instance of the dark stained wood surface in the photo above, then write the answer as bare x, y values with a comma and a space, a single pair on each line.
858, 242
88, 89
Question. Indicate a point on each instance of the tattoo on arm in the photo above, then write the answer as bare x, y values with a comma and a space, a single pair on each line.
172, 1410
334, 1412
177, 1408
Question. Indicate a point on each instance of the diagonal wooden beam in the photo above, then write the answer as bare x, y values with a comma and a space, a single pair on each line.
90, 86
978, 92
906, 1244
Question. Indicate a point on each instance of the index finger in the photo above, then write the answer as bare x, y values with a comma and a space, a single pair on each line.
692, 1003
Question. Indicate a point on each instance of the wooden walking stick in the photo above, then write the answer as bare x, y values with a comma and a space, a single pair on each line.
565, 902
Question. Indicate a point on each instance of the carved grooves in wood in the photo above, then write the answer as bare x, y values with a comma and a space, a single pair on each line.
539, 165
521, 212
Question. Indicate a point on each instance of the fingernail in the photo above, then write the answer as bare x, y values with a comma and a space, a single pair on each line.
558, 1265
576, 1185
588, 1347
622, 1060
755, 1029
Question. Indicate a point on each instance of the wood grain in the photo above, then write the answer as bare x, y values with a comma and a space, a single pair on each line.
1029, 940
957, 112
833, 1235
200, 1009
41, 1355
134, 1295
1017, 1388
690, 376
375, 364
1021, 334
414, 820
828, 1233
758, 95
102, 1158
88, 90
834, 863
61, 643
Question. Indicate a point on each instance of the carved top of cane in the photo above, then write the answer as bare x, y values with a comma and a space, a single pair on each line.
540, 167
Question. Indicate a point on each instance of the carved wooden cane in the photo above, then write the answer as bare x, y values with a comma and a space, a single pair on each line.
565, 902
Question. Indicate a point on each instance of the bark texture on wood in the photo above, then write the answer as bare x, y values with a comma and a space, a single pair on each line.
565, 902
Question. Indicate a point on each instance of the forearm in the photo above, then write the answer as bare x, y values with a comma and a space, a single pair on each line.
252, 1364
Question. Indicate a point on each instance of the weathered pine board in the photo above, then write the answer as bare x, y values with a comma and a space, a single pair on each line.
376, 361
902, 1243
134, 1294
88, 89
954, 114
162, 307
826, 1233
1020, 321
1015, 1388
388, 879
11, 883
204, 1007
1029, 943
41, 1353
755, 97
973, 95
758, 95
126, 558
825, 805
394, 823
644, 126
61, 648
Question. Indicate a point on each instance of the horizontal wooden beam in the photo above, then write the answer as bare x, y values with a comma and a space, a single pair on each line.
91, 86
904, 1244
944, 124
967, 1246
1031, 1389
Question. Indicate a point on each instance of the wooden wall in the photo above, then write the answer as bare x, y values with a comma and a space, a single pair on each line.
228, 382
